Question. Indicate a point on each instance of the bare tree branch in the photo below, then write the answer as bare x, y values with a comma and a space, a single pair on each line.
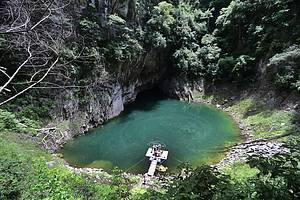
34, 32
29, 87
18, 69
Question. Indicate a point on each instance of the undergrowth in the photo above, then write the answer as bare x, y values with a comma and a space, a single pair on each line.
264, 121
25, 174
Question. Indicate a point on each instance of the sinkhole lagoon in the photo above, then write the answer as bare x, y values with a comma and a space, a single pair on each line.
193, 133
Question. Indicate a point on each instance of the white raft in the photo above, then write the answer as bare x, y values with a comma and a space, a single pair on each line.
156, 156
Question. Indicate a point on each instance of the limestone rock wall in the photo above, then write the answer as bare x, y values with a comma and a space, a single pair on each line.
79, 109
181, 88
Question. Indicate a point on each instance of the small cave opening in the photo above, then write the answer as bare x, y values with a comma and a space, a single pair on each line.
153, 93
146, 99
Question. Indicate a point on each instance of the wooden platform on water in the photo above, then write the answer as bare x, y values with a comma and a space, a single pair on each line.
155, 160
164, 155
152, 168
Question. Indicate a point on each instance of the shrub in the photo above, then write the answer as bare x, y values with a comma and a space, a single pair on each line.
8, 121
13, 174
287, 67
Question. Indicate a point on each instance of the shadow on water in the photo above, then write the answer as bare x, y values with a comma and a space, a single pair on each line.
145, 101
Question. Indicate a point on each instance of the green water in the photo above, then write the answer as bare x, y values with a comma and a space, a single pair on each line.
191, 132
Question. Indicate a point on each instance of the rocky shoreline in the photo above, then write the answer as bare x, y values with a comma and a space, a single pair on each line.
249, 146
241, 152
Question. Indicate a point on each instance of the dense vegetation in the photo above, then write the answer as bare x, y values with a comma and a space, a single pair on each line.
236, 40
54, 45
219, 40
24, 174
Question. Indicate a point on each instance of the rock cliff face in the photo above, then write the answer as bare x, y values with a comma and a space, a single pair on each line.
79, 109
181, 88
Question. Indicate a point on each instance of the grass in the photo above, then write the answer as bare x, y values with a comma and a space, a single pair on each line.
12, 142
263, 121
241, 108
137, 192
211, 158
270, 123
240, 172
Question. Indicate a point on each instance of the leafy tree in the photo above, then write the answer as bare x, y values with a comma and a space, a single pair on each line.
180, 27
162, 17
279, 177
251, 30
203, 183
287, 67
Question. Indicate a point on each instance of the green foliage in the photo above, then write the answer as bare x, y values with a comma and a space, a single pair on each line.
279, 177
88, 27
124, 50
262, 120
202, 183
15, 167
122, 184
111, 42
114, 20
24, 174
105, 192
187, 61
210, 54
52, 183
243, 107
198, 62
11, 177
251, 29
3, 42
287, 65
157, 40
184, 28
180, 27
269, 123
240, 172
162, 17
226, 65
8, 121
249, 24
24, 115
243, 65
